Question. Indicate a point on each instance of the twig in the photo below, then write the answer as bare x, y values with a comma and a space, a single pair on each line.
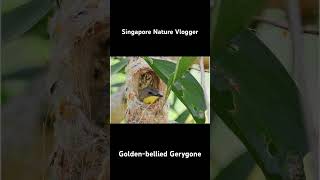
297, 39
300, 71
284, 25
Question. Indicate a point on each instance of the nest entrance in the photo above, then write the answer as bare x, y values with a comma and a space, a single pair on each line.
146, 78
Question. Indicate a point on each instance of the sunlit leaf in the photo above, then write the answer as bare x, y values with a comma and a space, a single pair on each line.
183, 117
119, 66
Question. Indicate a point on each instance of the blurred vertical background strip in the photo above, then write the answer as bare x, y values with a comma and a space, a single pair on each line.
272, 24
28, 109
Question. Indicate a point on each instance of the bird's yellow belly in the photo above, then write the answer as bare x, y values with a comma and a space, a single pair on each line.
150, 99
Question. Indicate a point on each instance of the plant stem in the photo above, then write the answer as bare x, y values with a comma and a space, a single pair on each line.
204, 87
300, 71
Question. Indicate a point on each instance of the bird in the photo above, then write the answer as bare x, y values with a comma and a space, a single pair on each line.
149, 95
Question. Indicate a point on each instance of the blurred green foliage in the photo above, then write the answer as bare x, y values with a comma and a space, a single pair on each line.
24, 57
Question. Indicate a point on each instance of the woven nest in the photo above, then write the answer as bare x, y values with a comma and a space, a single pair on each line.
79, 65
79, 32
140, 76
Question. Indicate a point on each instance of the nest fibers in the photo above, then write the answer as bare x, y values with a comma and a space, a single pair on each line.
81, 146
140, 76
78, 79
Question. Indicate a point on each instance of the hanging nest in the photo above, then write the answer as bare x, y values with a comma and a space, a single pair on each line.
78, 85
139, 76
81, 146
80, 33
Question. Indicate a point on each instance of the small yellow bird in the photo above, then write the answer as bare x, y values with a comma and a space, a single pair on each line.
149, 95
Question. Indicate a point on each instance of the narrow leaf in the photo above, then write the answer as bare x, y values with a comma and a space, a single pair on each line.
174, 103
229, 17
239, 168
183, 66
183, 117
118, 66
21, 19
257, 99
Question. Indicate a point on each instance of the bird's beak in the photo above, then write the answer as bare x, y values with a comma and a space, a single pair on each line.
160, 95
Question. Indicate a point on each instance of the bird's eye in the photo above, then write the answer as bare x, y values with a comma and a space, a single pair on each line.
150, 92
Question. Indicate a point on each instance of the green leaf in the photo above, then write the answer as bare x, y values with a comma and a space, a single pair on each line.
229, 17
117, 85
169, 84
183, 117
239, 168
119, 66
172, 106
187, 88
21, 19
183, 65
257, 99
40, 29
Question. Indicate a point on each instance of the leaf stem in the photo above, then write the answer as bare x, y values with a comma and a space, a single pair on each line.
204, 87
